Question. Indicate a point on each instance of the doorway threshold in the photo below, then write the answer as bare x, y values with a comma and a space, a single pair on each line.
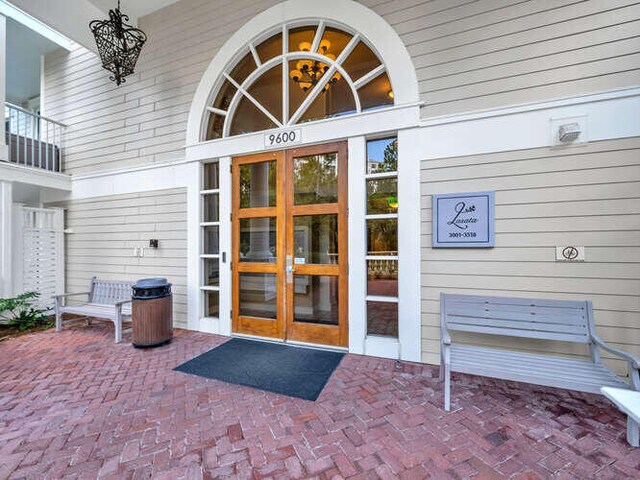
315, 346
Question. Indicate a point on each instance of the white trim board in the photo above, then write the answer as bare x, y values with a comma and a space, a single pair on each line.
608, 116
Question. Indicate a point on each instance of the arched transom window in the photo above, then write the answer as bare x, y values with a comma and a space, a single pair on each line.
301, 73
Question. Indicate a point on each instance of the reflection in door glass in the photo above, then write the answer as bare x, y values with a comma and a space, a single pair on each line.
315, 299
258, 240
211, 176
382, 318
211, 245
258, 185
382, 236
258, 293
315, 179
382, 278
211, 272
211, 210
382, 155
382, 196
315, 239
212, 307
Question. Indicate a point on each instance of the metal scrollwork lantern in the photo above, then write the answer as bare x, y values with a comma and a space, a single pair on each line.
119, 44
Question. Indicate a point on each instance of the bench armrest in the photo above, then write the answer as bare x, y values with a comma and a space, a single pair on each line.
633, 361
72, 294
120, 304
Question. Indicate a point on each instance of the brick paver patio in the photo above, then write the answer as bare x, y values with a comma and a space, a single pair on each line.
76, 405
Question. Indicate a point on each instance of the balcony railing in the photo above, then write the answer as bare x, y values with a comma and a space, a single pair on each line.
33, 140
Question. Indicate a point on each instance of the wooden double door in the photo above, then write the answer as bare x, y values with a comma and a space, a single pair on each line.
289, 248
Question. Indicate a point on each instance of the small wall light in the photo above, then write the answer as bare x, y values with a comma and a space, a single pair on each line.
153, 243
390, 94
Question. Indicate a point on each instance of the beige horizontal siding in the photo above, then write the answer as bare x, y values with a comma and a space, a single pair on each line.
586, 195
469, 55
105, 231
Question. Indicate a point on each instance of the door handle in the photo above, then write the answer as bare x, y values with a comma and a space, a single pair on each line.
288, 268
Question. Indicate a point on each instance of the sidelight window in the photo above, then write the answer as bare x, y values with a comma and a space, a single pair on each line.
382, 237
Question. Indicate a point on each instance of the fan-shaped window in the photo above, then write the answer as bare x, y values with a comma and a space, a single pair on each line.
318, 71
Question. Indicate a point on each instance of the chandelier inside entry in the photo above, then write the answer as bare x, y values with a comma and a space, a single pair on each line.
309, 72
119, 44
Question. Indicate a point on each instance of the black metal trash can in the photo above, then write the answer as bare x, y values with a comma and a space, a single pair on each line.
152, 313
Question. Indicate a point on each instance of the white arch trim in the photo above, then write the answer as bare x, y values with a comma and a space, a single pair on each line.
361, 19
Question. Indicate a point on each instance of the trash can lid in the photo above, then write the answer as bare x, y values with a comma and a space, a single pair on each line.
151, 282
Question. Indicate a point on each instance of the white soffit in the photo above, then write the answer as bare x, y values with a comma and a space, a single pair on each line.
134, 8
20, 16
69, 17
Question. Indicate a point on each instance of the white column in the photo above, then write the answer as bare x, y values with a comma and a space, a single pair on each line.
357, 247
4, 153
410, 322
6, 200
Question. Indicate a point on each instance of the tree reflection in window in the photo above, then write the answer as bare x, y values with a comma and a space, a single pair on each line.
315, 179
273, 84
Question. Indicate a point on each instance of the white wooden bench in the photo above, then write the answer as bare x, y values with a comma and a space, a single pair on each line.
628, 402
107, 299
555, 320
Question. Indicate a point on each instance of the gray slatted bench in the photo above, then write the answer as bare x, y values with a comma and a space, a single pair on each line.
107, 299
557, 320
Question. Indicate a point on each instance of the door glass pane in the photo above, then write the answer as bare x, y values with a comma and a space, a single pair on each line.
258, 240
258, 185
376, 93
315, 299
211, 207
382, 237
211, 176
211, 272
315, 179
212, 304
382, 155
249, 118
258, 293
382, 278
382, 196
315, 239
210, 240
382, 319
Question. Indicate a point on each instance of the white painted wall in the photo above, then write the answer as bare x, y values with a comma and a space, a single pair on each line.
6, 238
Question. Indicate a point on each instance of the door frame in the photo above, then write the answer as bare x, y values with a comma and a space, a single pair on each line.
284, 328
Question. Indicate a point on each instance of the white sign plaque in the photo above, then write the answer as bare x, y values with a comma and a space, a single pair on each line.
463, 220
282, 137
570, 253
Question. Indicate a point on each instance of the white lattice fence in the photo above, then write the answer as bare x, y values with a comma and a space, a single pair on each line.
40, 263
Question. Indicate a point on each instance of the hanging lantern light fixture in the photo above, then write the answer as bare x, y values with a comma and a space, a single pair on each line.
119, 44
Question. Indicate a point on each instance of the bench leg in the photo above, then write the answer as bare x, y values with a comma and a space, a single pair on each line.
58, 316
118, 326
447, 378
633, 432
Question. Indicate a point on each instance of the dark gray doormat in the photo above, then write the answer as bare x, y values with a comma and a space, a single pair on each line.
288, 370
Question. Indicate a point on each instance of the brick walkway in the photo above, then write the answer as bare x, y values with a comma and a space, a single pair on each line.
75, 405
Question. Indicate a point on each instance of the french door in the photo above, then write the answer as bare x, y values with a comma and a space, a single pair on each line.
289, 250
